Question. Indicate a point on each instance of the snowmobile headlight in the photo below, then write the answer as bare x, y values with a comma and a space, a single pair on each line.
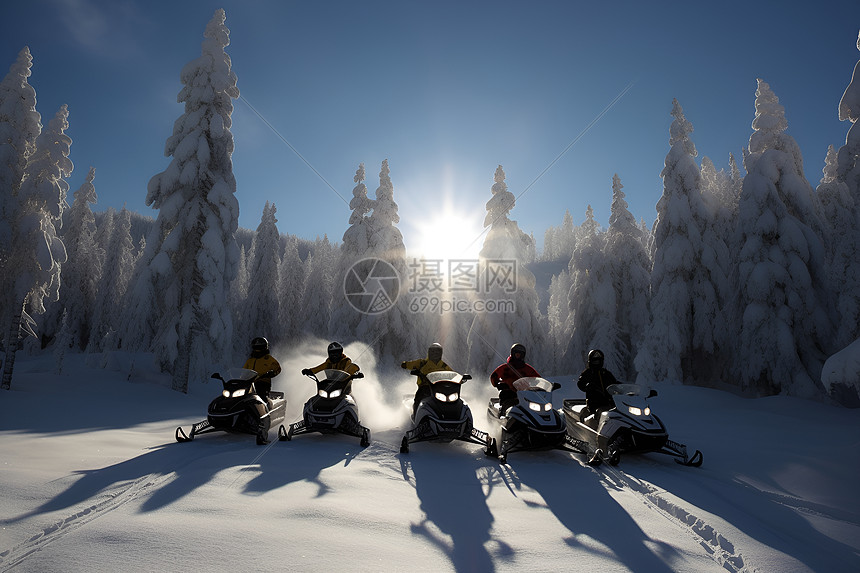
634, 410
239, 392
334, 394
647, 411
447, 397
535, 406
547, 407
226, 393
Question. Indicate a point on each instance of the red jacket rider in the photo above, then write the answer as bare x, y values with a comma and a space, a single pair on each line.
505, 375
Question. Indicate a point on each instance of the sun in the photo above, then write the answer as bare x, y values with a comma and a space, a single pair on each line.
449, 235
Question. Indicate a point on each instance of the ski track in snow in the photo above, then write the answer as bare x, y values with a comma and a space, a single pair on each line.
721, 550
114, 500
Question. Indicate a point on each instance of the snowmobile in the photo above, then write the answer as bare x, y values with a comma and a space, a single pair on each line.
331, 410
238, 408
443, 416
629, 427
533, 424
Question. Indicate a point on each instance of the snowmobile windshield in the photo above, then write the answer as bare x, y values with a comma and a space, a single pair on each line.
533, 383
629, 390
333, 375
240, 374
444, 376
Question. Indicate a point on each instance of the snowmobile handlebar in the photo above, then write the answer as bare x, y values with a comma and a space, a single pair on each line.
307, 372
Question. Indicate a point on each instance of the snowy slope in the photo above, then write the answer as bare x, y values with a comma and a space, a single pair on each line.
92, 480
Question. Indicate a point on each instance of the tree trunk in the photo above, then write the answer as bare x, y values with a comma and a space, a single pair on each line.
12, 337
182, 365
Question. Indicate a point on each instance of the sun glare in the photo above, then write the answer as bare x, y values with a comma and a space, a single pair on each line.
449, 236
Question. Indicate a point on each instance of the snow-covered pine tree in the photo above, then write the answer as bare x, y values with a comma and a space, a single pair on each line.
781, 310
630, 268
120, 258
550, 244
314, 313
345, 319
558, 312
83, 270
390, 333
105, 225
192, 251
591, 301
848, 159
566, 237
262, 306
237, 297
33, 264
843, 250
506, 248
291, 288
684, 294
19, 127
559, 242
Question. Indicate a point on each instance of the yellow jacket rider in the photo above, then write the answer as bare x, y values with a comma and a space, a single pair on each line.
433, 363
262, 363
337, 360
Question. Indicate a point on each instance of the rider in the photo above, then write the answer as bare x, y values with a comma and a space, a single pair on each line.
263, 364
433, 363
594, 381
506, 374
337, 360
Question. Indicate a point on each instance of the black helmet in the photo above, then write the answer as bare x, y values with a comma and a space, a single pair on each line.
434, 353
595, 359
260, 346
518, 349
335, 351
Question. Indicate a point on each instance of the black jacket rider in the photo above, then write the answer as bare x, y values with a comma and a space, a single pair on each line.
594, 381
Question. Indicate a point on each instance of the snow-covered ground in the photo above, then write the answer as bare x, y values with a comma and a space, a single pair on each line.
91, 479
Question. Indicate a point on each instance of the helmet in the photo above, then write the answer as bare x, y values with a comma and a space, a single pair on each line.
518, 349
595, 359
335, 351
260, 346
434, 353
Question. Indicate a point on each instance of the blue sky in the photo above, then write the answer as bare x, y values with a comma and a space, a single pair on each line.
446, 91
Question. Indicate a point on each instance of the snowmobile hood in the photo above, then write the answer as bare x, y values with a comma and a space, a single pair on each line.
334, 375
533, 383
240, 374
445, 376
629, 390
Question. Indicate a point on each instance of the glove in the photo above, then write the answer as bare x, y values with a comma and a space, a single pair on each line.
306, 372
403, 365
